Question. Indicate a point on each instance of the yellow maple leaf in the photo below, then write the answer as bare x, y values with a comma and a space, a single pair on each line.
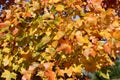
60, 8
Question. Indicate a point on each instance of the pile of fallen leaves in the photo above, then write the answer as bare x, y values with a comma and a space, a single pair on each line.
57, 39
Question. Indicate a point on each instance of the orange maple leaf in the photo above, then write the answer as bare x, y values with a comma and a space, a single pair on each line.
107, 48
15, 31
50, 74
4, 24
65, 45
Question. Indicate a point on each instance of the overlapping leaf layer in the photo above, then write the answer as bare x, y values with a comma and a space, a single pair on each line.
57, 39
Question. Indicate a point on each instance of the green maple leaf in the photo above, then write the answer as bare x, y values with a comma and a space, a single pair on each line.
8, 75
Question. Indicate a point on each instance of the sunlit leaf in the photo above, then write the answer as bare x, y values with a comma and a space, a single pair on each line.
47, 16
105, 34
6, 61
116, 34
15, 67
51, 39
69, 71
60, 8
17, 1
8, 75
77, 69
54, 1
54, 44
45, 39
78, 7
6, 50
50, 50
59, 35
80, 39
106, 76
